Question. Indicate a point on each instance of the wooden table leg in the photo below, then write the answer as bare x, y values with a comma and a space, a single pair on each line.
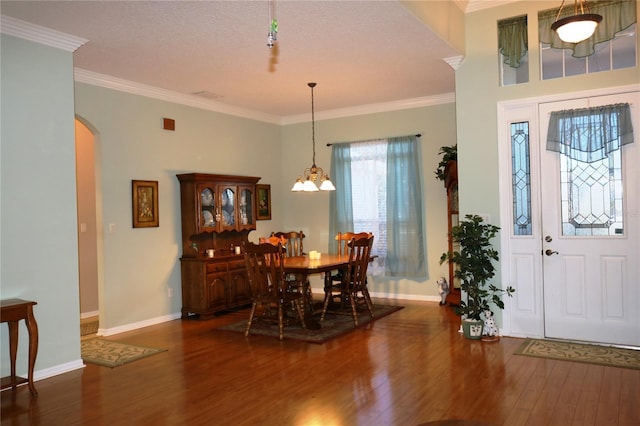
13, 350
32, 328
11, 312
307, 301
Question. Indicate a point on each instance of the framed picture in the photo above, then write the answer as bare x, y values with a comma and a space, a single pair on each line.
145, 203
264, 202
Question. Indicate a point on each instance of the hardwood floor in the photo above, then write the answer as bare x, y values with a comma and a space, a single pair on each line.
409, 368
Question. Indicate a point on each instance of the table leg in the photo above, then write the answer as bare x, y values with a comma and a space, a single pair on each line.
304, 287
32, 328
13, 349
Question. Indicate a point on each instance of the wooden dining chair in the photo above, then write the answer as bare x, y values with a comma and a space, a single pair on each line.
342, 239
294, 242
269, 288
354, 282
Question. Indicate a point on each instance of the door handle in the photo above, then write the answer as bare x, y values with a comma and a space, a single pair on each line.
550, 252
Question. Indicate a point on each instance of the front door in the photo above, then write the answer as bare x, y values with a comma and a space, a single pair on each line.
590, 225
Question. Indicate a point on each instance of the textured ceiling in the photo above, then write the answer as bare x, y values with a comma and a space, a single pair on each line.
359, 52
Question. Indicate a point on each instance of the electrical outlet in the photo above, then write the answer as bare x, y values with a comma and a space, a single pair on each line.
170, 292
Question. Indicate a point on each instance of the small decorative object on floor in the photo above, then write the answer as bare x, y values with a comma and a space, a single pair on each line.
490, 328
443, 290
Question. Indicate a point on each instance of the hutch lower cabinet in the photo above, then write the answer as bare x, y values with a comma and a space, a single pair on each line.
218, 212
210, 286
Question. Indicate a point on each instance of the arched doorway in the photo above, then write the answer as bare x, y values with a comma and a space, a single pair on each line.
89, 231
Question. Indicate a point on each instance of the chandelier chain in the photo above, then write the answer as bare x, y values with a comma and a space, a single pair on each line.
313, 125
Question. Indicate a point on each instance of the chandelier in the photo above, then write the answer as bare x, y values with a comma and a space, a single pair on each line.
307, 182
578, 27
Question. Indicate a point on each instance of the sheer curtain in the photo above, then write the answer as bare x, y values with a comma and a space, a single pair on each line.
399, 241
340, 200
406, 254
590, 134
617, 15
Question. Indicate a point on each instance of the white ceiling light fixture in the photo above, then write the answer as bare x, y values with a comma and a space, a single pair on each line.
307, 182
578, 27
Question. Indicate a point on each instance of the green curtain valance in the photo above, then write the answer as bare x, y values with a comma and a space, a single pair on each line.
513, 40
590, 134
617, 15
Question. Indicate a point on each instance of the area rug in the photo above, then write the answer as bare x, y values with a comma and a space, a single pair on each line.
113, 354
577, 352
334, 325
87, 328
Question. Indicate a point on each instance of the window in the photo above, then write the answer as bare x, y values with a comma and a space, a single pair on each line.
379, 190
612, 45
620, 52
513, 46
521, 178
589, 141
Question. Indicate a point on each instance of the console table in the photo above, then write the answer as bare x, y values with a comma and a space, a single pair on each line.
11, 312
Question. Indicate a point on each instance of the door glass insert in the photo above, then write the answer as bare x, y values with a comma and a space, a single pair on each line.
592, 196
521, 178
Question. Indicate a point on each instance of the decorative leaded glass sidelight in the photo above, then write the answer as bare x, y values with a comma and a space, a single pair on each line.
521, 178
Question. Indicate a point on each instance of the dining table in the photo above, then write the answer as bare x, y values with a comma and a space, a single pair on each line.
303, 266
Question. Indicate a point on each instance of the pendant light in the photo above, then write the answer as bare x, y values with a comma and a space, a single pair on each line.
307, 182
578, 27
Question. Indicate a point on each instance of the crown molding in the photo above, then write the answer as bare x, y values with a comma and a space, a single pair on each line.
454, 61
475, 5
425, 101
109, 82
38, 34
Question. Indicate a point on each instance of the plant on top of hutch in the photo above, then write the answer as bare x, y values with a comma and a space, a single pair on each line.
445, 169
218, 212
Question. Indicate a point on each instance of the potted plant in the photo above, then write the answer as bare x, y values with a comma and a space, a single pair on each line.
474, 267
448, 162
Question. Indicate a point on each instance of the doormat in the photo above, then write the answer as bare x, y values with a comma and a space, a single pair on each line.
578, 352
113, 354
334, 325
87, 328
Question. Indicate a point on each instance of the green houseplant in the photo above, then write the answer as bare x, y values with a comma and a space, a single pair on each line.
475, 268
449, 153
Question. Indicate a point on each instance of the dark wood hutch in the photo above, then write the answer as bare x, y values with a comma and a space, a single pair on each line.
451, 185
218, 212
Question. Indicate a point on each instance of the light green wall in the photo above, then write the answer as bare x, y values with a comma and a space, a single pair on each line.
478, 92
141, 264
39, 257
310, 212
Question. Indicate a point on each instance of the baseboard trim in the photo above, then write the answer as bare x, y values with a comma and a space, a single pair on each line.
58, 369
137, 325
